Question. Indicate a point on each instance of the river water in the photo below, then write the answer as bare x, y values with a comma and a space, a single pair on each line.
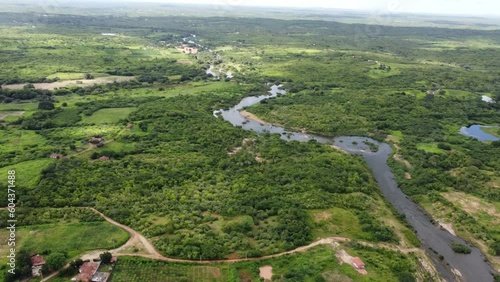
476, 131
472, 267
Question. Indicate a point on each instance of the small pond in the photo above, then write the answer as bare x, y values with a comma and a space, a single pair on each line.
476, 131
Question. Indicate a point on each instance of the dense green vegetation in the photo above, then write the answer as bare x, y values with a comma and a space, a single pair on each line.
459, 248
202, 189
212, 204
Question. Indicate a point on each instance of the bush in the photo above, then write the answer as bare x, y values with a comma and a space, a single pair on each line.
459, 248
46, 105
55, 261
443, 146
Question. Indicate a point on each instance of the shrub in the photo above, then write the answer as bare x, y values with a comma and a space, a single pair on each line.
459, 248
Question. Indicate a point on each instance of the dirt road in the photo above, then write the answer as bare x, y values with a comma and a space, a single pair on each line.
137, 238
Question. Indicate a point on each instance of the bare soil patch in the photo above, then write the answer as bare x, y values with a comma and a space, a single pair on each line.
448, 227
11, 114
472, 204
80, 82
344, 257
402, 160
324, 215
266, 272
245, 276
253, 117
392, 139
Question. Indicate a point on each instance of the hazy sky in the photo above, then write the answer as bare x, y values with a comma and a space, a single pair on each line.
468, 7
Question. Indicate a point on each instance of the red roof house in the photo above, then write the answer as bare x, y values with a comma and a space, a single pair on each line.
87, 270
104, 158
37, 261
358, 263
36, 265
96, 140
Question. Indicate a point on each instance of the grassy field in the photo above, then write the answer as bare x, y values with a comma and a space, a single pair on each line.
430, 148
112, 115
85, 132
27, 173
336, 222
71, 238
492, 131
17, 139
73, 75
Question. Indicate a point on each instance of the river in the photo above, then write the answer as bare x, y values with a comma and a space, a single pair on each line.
476, 131
472, 267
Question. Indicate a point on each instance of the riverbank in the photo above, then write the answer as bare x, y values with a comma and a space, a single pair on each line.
453, 267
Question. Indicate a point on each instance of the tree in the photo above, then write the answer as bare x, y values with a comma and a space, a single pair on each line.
496, 248
64, 104
28, 86
46, 105
55, 261
76, 263
89, 76
143, 126
106, 257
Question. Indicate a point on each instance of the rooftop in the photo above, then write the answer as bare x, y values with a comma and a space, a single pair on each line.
37, 260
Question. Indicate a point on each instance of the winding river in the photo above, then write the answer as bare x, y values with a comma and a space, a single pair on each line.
454, 267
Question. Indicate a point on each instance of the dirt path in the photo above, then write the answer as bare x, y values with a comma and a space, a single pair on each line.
134, 237
13, 114
78, 82
49, 277
151, 252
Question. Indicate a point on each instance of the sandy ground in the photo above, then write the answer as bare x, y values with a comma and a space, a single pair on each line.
408, 175
253, 117
447, 226
266, 272
13, 114
339, 149
401, 159
344, 257
84, 82
237, 149
472, 204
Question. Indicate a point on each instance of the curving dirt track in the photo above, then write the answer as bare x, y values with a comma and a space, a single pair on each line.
152, 253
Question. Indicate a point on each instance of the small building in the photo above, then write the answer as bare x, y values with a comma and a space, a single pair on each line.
432, 92
358, 263
104, 158
100, 276
56, 156
97, 140
87, 271
190, 50
37, 262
